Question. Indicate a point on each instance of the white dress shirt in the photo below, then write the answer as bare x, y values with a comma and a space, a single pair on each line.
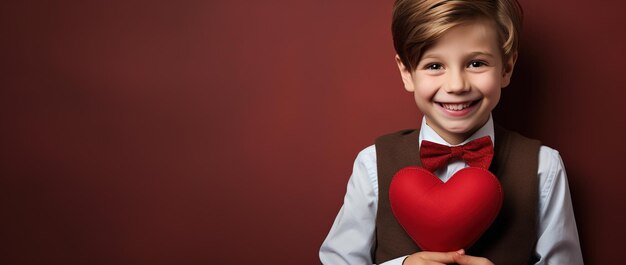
352, 236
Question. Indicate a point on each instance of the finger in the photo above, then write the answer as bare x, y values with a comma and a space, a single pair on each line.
441, 257
426, 262
471, 260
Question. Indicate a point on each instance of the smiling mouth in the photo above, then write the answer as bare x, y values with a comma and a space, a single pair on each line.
458, 106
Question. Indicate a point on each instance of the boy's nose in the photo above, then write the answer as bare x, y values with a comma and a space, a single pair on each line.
456, 83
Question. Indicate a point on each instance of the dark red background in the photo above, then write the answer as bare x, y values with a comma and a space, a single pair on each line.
222, 132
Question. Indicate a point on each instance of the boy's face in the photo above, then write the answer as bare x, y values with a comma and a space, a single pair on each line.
458, 79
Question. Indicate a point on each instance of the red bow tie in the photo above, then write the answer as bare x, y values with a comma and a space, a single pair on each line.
476, 153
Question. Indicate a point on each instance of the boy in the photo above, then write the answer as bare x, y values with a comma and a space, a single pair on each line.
455, 57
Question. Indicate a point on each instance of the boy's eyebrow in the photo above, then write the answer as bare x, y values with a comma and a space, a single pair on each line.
473, 54
469, 55
428, 55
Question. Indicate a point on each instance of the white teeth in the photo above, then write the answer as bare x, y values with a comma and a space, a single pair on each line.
455, 106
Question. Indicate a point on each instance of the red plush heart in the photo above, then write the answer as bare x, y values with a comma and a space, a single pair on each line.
445, 216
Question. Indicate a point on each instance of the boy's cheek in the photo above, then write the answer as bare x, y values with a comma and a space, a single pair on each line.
426, 86
487, 83
423, 95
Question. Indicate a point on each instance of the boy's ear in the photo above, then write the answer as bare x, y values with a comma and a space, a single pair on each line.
507, 69
406, 75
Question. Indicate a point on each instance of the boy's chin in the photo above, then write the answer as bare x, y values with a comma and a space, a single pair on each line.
466, 126
461, 131
458, 129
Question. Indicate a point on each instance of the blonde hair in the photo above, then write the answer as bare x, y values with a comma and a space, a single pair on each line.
417, 24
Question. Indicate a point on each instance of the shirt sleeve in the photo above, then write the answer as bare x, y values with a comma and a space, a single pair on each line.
351, 238
558, 241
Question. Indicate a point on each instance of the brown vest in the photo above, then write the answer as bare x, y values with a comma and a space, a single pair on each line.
512, 236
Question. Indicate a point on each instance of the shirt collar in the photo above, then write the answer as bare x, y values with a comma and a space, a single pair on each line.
427, 133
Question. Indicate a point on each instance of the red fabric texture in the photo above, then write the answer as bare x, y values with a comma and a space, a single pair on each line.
476, 153
447, 216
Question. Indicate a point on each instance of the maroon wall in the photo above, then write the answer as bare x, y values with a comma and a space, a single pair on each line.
218, 132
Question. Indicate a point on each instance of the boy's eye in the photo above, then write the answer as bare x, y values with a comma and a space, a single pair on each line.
476, 64
434, 66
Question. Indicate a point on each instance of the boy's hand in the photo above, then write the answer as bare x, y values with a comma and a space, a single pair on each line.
471, 260
432, 258
442, 258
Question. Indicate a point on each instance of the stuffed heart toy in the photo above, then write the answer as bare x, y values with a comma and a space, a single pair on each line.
447, 216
